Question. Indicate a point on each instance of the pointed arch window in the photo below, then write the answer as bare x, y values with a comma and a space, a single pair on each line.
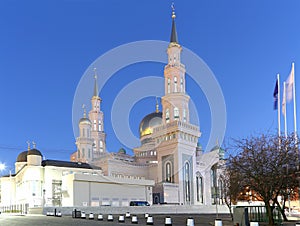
169, 85
95, 125
99, 126
175, 84
101, 145
83, 154
199, 186
214, 185
176, 113
187, 186
184, 115
167, 115
181, 85
168, 171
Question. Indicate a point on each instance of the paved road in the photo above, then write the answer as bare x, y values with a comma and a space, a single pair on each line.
159, 220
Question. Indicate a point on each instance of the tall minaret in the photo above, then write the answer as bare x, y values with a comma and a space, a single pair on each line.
177, 137
84, 142
96, 118
175, 103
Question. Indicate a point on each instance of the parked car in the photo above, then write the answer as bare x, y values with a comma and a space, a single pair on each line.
139, 203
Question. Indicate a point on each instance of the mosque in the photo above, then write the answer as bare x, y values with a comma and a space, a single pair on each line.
169, 166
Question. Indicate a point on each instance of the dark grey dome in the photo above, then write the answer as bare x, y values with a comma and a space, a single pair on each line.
84, 120
150, 121
22, 157
34, 152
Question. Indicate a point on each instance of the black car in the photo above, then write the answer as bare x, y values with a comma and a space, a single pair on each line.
139, 203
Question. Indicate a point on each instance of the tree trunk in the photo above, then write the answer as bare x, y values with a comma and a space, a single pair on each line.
270, 213
281, 209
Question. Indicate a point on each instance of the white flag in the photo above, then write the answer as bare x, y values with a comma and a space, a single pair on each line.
284, 99
289, 85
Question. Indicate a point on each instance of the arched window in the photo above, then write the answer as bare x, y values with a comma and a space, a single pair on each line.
95, 125
167, 115
214, 185
169, 85
175, 84
184, 115
168, 172
176, 113
187, 186
89, 153
83, 132
101, 145
78, 153
83, 154
199, 184
100, 126
181, 85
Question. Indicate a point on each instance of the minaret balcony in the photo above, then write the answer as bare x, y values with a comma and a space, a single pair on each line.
176, 126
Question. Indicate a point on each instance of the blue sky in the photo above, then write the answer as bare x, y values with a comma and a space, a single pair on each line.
46, 46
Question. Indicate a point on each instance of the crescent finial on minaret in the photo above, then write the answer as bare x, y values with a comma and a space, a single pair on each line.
95, 73
33, 144
156, 106
173, 10
84, 110
28, 145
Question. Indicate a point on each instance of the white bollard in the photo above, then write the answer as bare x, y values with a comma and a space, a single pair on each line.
110, 217
218, 222
255, 224
83, 215
190, 222
168, 221
121, 219
134, 219
146, 215
127, 215
91, 216
149, 220
100, 217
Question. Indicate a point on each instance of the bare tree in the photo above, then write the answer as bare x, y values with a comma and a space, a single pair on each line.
261, 163
231, 188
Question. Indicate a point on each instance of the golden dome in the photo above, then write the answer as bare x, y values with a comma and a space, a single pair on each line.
148, 122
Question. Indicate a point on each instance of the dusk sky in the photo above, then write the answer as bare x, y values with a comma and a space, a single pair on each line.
47, 46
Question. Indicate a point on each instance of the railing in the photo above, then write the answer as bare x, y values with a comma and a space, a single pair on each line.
20, 208
259, 214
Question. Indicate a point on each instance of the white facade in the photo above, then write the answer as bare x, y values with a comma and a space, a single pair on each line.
58, 183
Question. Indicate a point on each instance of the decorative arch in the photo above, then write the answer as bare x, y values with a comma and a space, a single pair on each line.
187, 182
199, 188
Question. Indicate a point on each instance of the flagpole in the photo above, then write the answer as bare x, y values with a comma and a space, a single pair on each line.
278, 105
284, 109
294, 97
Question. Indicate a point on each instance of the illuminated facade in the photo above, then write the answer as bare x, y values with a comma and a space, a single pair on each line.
169, 154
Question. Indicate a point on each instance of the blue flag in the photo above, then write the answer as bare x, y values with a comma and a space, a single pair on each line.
275, 95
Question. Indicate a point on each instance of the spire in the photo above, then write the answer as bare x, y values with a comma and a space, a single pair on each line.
156, 106
28, 145
84, 111
96, 92
173, 33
